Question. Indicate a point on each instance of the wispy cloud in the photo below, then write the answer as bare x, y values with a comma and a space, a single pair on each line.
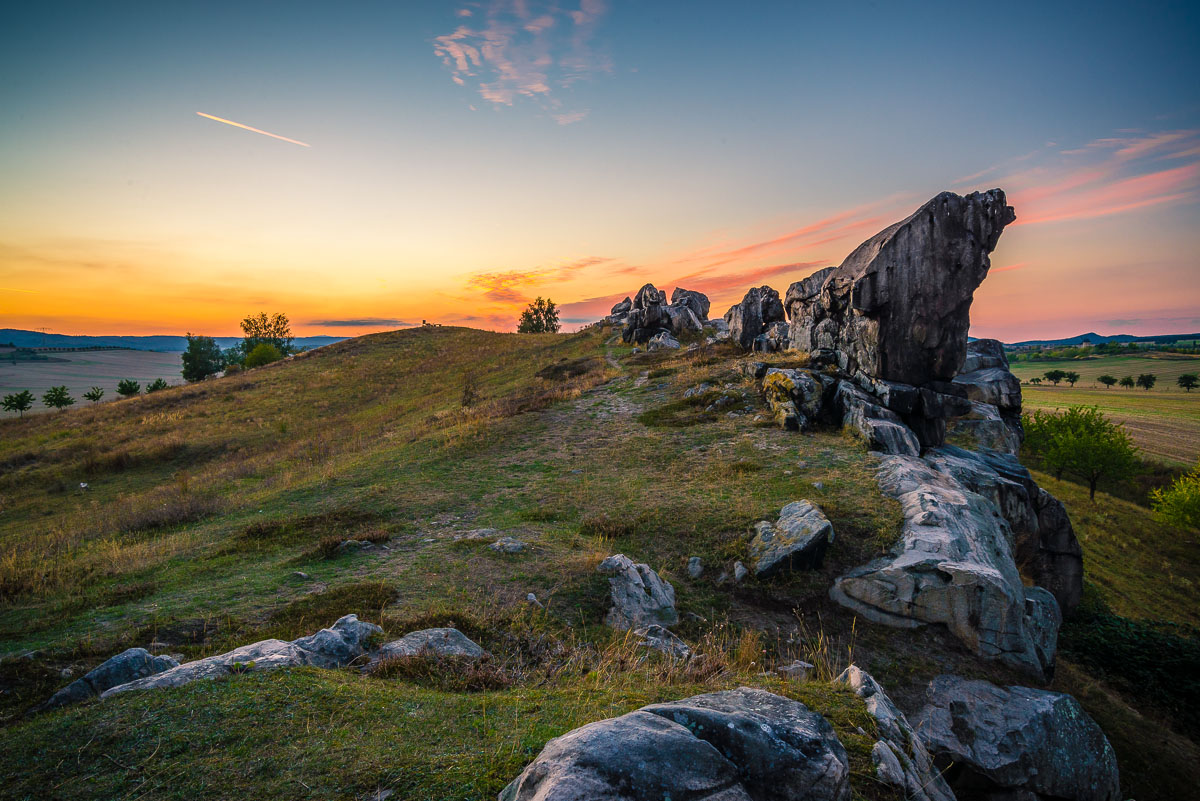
525, 49
508, 286
361, 322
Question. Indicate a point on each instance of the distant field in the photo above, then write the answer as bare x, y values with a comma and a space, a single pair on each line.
1167, 366
82, 370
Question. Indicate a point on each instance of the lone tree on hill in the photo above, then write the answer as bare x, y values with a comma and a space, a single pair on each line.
1071, 377
57, 397
202, 358
1147, 381
19, 402
1082, 442
274, 330
1127, 382
1054, 376
127, 388
94, 394
1188, 381
539, 317
1107, 380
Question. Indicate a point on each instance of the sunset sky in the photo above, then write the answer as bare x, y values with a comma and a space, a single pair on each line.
403, 161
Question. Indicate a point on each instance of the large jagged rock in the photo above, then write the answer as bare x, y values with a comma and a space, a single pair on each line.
900, 757
994, 421
129, 665
898, 307
696, 301
736, 745
639, 597
1016, 742
333, 647
649, 314
799, 399
796, 541
954, 566
749, 319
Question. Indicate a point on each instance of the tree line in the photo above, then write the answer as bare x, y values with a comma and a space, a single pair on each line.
1146, 381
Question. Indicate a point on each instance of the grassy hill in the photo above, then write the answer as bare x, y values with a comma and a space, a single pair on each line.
203, 504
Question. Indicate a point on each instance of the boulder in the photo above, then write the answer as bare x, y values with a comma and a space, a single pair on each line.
127, 666
336, 646
442, 642
736, 745
898, 307
900, 757
796, 541
681, 320
662, 341
647, 316
747, 320
1016, 742
640, 598
696, 301
982, 354
508, 545
954, 565
663, 640
621, 309
773, 339
695, 567
993, 385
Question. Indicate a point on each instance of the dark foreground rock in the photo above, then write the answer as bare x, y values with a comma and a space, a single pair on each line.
127, 666
1016, 742
737, 745
751, 319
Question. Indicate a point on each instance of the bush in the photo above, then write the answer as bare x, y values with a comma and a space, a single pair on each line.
18, 402
57, 398
156, 385
1179, 504
94, 394
202, 358
263, 353
127, 388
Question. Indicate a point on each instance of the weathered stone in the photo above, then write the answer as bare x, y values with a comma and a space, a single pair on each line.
900, 757
740, 573
994, 385
983, 427
442, 642
695, 567
982, 354
796, 541
696, 301
736, 745
747, 320
127, 666
882, 428
898, 307
796, 671
508, 545
336, 646
663, 640
773, 339
663, 341
621, 309
640, 598
954, 565
997, 742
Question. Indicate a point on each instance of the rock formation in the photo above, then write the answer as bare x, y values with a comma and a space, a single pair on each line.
649, 315
736, 745
898, 307
127, 666
796, 541
750, 320
444, 642
639, 597
1016, 742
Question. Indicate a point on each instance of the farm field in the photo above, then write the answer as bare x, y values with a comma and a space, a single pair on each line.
1167, 366
82, 370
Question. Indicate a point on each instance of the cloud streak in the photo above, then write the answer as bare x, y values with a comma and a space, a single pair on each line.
255, 130
525, 49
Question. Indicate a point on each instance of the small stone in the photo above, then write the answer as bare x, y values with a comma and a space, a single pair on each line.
797, 671
533, 599
300, 575
818, 485
695, 567
787, 472
508, 545
740, 572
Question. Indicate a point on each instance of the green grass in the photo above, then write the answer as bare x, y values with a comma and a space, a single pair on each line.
1167, 366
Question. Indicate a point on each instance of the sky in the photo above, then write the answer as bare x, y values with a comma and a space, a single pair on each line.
406, 161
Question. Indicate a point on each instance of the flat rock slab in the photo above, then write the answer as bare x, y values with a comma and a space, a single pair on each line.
999, 739
441, 642
736, 745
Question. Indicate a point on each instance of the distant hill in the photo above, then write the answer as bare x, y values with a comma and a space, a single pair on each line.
1096, 339
169, 344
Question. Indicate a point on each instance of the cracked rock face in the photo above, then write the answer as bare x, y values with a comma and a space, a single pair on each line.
751, 318
898, 307
1016, 742
639, 597
736, 745
954, 565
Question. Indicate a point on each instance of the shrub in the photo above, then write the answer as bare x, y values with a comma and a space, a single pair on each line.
1179, 504
263, 353
127, 388
57, 398
94, 394
18, 402
156, 385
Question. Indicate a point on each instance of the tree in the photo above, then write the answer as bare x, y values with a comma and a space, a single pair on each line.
19, 402
1107, 380
127, 388
1188, 381
1035, 381
1054, 376
156, 385
1084, 443
274, 330
202, 358
1179, 503
1127, 382
94, 394
1071, 377
57, 397
262, 353
539, 317
1147, 381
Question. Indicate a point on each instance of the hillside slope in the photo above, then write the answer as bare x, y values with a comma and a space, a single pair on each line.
212, 516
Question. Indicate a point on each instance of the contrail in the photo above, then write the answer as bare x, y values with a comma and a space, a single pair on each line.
256, 130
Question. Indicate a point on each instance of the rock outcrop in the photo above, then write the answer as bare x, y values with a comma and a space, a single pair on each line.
129, 665
649, 315
955, 564
750, 320
995, 394
900, 756
1016, 742
639, 597
442, 642
898, 307
336, 646
737, 745
796, 541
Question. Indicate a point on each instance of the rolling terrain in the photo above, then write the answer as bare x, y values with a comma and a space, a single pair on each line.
213, 514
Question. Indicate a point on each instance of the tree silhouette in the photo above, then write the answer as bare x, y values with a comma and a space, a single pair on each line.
1188, 381
1147, 381
1054, 376
19, 402
539, 317
1107, 380
57, 397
